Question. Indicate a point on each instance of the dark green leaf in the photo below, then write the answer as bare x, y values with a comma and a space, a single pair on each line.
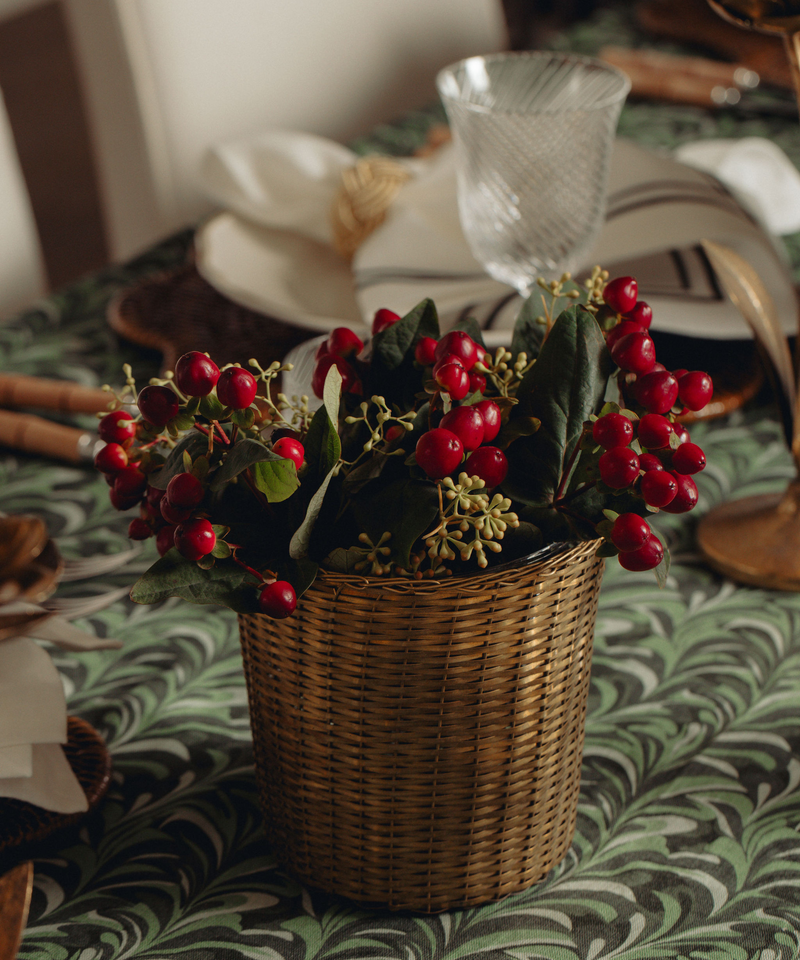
183, 421
244, 418
395, 344
174, 576
300, 573
298, 546
241, 455
194, 444
514, 429
221, 550
211, 408
405, 508
322, 445
607, 549
528, 333
563, 388
276, 479
206, 562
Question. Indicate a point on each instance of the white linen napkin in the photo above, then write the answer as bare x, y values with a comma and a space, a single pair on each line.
271, 250
33, 713
758, 172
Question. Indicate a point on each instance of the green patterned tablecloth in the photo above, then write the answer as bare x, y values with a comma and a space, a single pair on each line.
688, 834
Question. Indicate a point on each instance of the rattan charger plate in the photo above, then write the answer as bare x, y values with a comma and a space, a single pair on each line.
177, 310
23, 824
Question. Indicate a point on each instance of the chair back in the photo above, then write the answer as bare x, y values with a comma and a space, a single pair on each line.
22, 275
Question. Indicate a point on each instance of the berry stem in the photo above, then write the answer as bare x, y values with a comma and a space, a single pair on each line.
245, 566
221, 432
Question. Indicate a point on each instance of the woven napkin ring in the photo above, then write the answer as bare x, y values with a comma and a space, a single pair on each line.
363, 200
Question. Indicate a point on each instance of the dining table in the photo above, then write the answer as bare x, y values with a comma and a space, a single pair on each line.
687, 841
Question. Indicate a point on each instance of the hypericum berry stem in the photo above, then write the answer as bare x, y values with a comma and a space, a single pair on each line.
236, 546
221, 433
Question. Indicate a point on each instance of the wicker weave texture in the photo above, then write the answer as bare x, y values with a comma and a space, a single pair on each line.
419, 745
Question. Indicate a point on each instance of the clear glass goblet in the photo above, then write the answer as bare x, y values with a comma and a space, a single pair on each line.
533, 134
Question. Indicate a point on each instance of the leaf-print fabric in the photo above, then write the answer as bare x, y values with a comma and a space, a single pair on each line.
688, 836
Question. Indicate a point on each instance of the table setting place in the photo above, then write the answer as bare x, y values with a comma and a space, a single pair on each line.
404, 562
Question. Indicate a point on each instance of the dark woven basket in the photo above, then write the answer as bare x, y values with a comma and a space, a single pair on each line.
418, 744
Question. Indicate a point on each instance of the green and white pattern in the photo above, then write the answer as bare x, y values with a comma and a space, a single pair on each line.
687, 842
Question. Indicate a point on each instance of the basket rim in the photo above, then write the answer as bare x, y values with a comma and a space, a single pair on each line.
548, 552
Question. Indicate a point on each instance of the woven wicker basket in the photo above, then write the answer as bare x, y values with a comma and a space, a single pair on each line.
418, 744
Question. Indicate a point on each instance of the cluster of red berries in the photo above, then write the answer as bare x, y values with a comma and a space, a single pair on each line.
464, 430
175, 516
660, 469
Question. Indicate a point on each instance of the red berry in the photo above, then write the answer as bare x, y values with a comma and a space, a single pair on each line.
658, 487
686, 496
130, 482
459, 344
173, 514
158, 405
619, 467
688, 458
695, 389
290, 449
467, 424
629, 532
679, 373
394, 433
654, 431
642, 313
139, 529
647, 557
383, 318
649, 461
236, 388
682, 433
111, 458
453, 378
634, 353
195, 538
477, 382
622, 329
488, 463
424, 351
621, 294
121, 503
277, 600
165, 539
439, 452
447, 358
184, 491
195, 374
117, 427
343, 342
492, 419
612, 430
657, 391
153, 496
350, 381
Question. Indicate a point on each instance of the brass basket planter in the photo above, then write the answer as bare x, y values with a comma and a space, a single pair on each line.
418, 744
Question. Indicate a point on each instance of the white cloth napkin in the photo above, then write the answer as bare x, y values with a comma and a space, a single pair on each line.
758, 172
33, 713
271, 251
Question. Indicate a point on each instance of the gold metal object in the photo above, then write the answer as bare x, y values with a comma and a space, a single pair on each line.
15, 901
756, 540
